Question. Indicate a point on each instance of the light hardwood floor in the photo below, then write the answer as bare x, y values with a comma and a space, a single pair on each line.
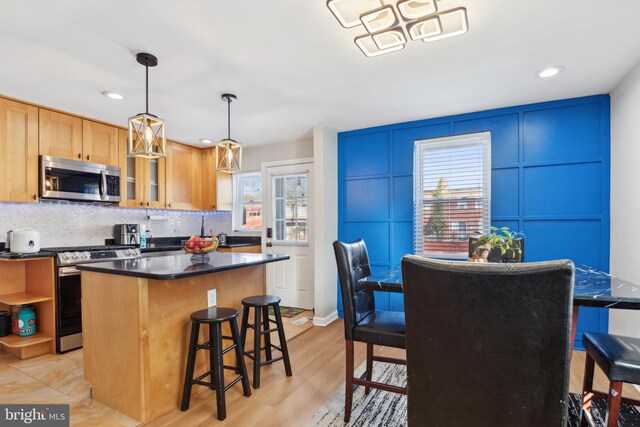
318, 370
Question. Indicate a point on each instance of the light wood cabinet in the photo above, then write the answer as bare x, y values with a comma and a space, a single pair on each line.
216, 187
18, 152
256, 249
99, 143
70, 137
60, 135
142, 181
29, 281
184, 176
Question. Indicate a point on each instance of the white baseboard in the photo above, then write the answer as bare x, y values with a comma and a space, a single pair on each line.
325, 321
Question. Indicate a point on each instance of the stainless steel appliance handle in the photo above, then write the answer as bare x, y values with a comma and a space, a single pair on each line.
68, 271
103, 183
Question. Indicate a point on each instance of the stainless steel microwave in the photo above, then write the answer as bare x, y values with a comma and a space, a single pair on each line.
75, 180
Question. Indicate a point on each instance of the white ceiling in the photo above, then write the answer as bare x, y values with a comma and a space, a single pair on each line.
293, 66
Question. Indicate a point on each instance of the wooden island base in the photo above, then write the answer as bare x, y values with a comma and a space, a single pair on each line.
136, 334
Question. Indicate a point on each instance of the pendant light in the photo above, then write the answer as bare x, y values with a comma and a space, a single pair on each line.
146, 131
229, 151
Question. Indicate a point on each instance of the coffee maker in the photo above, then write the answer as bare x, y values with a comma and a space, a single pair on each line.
127, 234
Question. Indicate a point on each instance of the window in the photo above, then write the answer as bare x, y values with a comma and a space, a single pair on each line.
452, 184
290, 202
247, 201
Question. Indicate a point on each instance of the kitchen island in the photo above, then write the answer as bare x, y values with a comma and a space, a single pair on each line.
135, 321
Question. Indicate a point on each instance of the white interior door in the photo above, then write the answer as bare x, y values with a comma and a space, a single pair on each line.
288, 202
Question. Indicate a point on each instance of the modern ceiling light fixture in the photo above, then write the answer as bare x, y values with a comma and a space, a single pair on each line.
550, 72
387, 23
146, 131
206, 141
229, 151
113, 95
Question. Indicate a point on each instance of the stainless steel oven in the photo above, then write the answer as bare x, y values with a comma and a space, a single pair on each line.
75, 180
69, 288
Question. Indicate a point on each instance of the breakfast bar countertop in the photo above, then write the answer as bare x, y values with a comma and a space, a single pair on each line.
180, 266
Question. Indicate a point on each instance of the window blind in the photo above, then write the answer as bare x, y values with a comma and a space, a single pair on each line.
452, 193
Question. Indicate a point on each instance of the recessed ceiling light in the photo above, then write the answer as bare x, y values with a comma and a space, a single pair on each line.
550, 72
113, 95
206, 141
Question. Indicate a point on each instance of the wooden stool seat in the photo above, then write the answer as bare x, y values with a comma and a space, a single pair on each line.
261, 300
262, 326
619, 359
215, 317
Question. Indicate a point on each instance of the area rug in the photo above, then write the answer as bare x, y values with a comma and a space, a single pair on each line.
382, 408
287, 311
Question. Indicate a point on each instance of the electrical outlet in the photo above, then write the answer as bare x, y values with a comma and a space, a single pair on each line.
211, 298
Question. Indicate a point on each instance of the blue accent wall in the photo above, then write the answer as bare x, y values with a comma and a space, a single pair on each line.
550, 178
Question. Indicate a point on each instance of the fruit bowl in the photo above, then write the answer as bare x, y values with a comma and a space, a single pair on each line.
200, 245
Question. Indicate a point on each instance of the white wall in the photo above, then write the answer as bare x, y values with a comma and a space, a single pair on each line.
625, 201
76, 224
253, 157
325, 217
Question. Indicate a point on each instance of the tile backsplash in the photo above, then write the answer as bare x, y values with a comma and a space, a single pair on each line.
77, 224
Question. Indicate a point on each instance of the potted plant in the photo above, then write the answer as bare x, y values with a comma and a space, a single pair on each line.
498, 245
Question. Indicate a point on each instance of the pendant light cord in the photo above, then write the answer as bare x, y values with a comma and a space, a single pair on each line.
228, 117
146, 67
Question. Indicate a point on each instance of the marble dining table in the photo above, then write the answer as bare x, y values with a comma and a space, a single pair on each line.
592, 288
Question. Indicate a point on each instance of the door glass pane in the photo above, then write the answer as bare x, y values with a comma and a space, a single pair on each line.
153, 173
131, 178
290, 208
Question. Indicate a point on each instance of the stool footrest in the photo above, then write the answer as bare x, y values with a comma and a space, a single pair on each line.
228, 349
268, 362
233, 382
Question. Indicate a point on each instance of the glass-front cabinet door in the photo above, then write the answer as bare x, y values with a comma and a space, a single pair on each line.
144, 186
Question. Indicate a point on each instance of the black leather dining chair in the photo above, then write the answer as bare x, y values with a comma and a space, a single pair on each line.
488, 344
512, 255
362, 322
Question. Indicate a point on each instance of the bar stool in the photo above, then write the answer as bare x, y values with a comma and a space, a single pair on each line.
261, 326
619, 359
214, 317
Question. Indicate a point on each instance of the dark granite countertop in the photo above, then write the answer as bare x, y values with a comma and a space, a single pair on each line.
180, 266
41, 254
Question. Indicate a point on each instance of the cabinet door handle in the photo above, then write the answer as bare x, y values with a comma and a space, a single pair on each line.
147, 203
141, 203
79, 155
169, 205
34, 197
87, 157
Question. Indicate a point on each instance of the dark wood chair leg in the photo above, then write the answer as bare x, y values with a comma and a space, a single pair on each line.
587, 388
218, 373
267, 337
191, 361
241, 368
283, 341
367, 389
348, 387
257, 343
613, 403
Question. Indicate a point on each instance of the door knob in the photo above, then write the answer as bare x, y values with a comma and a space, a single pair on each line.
141, 203
34, 197
87, 157
79, 155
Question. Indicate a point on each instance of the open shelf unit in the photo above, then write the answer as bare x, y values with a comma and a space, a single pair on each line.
29, 281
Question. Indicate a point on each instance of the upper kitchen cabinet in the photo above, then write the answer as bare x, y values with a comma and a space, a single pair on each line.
99, 143
18, 151
60, 135
70, 137
184, 189
142, 182
216, 187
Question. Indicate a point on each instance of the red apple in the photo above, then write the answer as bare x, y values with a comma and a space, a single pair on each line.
204, 244
190, 244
